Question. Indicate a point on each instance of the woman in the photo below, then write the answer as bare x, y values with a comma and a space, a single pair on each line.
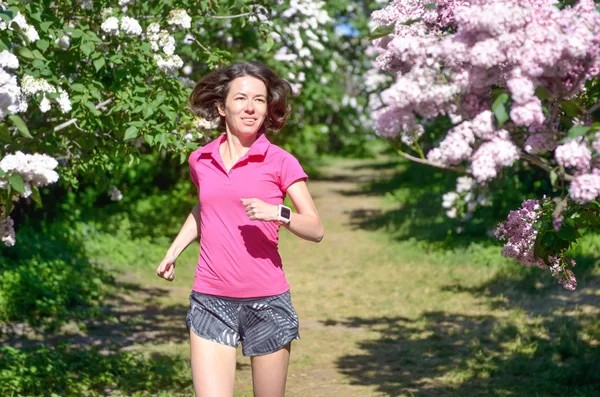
240, 294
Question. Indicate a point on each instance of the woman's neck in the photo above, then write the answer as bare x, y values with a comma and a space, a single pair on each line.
236, 146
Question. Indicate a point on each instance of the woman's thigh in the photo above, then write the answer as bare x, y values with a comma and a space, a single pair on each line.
213, 367
269, 373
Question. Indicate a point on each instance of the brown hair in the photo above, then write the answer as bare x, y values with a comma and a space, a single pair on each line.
213, 88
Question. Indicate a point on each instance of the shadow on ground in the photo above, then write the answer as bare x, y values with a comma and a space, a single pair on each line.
441, 354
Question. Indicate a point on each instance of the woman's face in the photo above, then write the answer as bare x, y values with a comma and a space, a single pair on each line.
245, 107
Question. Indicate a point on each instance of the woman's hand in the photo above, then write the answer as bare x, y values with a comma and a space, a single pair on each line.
166, 269
258, 210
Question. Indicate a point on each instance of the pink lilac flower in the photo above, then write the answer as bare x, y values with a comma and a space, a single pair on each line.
520, 234
528, 114
574, 154
585, 187
455, 148
491, 157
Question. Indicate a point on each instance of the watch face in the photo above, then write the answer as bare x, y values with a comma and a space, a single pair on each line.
286, 213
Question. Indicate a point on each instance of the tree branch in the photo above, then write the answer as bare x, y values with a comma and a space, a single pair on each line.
432, 164
593, 108
64, 125
229, 16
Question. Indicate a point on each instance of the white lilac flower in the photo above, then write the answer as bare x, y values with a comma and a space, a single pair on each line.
36, 169
189, 39
19, 19
44, 105
32, 34
11, 98
111, 26
179, 18
115, 194
203, 124
153, 28
168, 64
63, 101
187, 70
64, 42
87, 4
8, 60
131, 26
3, 25
187, 82
124, 2
31, 86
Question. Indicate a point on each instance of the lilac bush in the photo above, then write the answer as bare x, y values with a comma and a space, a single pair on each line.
519, 82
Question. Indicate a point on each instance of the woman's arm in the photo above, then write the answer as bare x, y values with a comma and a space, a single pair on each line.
190, 231
305, 223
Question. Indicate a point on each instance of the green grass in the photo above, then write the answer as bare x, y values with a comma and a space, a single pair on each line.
392, 303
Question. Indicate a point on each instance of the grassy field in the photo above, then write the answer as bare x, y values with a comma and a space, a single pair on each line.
386, 308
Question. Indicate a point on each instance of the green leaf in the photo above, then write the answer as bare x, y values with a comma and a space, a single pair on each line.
2, 173
149, 139
20, 124
17, 183
430, 6
42, 44
35, 195
499, 108
577, 131
542, 93
87, 48
26, 53
381, 31
568, 232
76, 33
570, 108
553, 177
99, 63
411, 22
269, 44
44, 26
38, 55
131, 133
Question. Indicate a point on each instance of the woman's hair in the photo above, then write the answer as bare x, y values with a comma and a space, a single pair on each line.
213, 88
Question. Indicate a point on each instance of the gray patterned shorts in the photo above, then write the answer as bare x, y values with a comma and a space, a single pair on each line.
262, 325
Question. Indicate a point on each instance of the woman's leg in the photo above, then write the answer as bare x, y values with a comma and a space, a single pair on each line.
213, 367
269, 373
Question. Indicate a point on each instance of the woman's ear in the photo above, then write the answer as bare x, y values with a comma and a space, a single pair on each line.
221, 108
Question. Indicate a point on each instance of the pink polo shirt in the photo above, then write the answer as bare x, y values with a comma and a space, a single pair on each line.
238, 256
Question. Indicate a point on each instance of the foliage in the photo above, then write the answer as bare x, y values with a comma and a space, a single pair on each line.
49, 280
68, 371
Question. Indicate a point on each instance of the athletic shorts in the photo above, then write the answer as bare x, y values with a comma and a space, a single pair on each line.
262, 325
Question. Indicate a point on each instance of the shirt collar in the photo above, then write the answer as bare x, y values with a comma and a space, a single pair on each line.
258, 147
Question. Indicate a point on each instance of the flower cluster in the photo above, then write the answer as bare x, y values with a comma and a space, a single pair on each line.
304, 22
448, 55
10, 92
31, 86
35, 169
464, 201
520, 233
129, 26
574, 154
179, 18
559, 268
160, 39
585, 187
29, 31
